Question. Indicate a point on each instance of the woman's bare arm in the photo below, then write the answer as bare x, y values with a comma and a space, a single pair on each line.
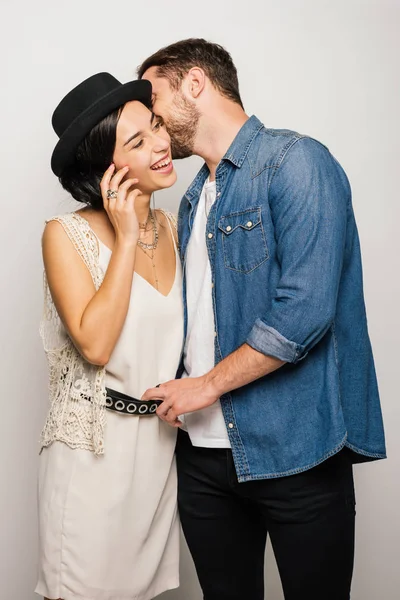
94, 320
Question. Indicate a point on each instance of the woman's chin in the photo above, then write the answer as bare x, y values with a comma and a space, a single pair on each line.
165, 181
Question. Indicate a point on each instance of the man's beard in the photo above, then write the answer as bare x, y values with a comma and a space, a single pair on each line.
182, 125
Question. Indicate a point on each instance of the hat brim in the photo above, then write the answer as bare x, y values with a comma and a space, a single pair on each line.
64, 151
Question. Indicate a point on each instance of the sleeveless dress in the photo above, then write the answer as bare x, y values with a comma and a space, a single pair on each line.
108, 525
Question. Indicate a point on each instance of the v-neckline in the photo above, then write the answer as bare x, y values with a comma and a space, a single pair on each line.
135, 272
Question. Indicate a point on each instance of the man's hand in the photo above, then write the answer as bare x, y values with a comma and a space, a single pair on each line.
182, 396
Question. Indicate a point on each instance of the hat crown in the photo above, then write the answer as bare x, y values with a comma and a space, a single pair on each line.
81, 98
85, 107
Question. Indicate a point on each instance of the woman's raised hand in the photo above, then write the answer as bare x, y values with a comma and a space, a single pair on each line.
120, 205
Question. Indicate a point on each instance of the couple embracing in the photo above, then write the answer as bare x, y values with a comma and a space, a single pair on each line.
218, 363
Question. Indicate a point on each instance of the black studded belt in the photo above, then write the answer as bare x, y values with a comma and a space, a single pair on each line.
122, 403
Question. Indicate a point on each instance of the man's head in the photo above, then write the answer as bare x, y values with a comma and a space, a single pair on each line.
185, 76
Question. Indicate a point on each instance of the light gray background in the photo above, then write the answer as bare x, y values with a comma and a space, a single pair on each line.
329, 69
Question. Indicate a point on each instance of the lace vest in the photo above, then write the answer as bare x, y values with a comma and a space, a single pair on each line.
77, 414
76, 388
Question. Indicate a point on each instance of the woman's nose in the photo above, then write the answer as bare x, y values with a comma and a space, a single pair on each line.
160, 144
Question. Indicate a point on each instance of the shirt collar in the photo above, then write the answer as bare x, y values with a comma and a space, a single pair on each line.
235, 154
240, 146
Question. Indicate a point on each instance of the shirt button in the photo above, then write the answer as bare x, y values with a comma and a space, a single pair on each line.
210, 236
215, 334
229, 228
212, 285
249, 224
230, 425
218, 195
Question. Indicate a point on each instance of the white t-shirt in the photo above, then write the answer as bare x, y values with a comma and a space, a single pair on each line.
206, 427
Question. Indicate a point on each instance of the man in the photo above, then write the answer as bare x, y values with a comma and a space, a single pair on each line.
278, 392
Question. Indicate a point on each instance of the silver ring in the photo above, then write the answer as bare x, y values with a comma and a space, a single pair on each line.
119, 405
131, 408
145, 407
112, 194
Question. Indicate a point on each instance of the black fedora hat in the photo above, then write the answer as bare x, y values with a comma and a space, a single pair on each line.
85, 106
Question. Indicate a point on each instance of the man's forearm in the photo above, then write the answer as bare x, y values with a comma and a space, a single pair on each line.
181, 396
240, 368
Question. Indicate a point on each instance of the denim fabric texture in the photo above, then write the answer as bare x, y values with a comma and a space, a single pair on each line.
287, 280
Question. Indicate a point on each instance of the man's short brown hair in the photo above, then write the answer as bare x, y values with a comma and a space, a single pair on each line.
174, 62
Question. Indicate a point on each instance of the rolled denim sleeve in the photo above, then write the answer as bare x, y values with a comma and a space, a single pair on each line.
309, 198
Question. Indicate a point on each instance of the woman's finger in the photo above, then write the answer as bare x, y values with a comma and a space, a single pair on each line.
131, 198
117, 178
123, 191
105, 185
124, 187
105, 182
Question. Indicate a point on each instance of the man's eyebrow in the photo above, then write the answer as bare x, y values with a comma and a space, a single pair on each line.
139, 133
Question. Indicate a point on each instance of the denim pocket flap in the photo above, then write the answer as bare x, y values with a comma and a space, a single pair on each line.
246, 220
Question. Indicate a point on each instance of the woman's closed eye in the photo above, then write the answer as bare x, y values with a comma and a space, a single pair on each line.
138, 145
156, 127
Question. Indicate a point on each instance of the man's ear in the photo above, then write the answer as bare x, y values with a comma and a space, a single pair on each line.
194, 83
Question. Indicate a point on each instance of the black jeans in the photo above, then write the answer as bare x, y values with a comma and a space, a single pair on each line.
309, 518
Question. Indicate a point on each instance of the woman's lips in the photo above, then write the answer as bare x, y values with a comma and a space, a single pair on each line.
164, 166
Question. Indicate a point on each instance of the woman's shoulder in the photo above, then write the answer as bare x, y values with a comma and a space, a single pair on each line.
167, 215
69, 222
169, 219
68, 239
62, 230
55, 224
69, 217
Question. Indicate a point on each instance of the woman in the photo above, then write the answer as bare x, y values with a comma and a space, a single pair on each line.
112, 327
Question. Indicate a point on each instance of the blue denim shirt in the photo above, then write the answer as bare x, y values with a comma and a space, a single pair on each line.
287, 280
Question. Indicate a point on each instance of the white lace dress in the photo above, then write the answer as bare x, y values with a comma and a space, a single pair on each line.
108, 525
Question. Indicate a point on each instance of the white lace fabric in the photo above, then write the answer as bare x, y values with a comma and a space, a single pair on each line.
77, 394
77, 414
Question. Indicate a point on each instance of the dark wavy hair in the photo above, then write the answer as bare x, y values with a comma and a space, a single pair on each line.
92, 157
174, 62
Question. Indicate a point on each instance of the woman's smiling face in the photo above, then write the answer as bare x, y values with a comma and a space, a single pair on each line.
143, 144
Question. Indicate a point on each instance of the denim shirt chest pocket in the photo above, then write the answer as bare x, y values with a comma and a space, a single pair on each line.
243, 240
